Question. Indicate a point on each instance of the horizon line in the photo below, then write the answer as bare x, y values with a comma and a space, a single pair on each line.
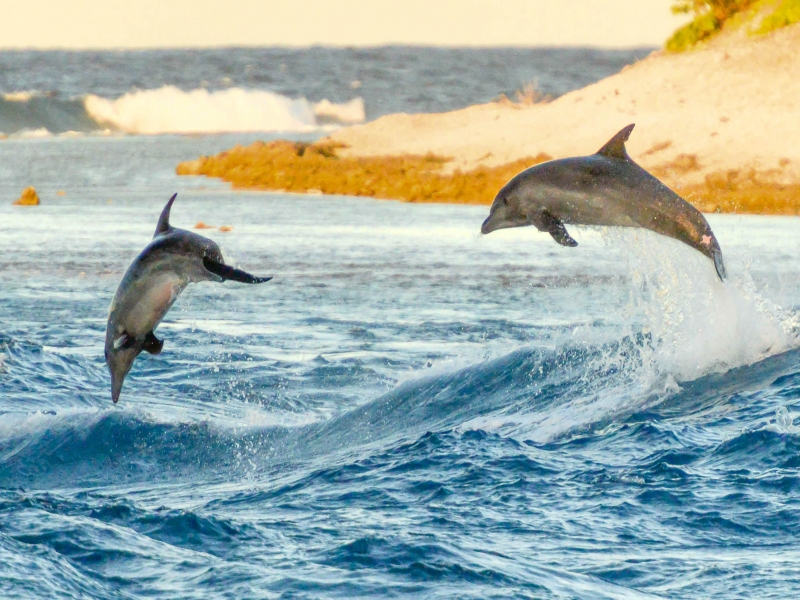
327, 45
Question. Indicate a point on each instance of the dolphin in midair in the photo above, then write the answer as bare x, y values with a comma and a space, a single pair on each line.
606, 188
155, 279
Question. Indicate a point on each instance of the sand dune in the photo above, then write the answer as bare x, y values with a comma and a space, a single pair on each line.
732, 104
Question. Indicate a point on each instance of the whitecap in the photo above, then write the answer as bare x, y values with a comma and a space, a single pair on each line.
171, 110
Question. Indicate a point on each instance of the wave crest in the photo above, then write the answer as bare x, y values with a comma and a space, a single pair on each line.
171, 110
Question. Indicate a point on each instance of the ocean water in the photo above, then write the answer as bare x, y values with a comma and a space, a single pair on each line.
408, 410
273, 89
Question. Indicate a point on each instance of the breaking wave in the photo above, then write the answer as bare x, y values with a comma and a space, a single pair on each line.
171, 110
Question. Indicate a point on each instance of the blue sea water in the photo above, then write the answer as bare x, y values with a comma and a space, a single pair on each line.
409, 409
274, 89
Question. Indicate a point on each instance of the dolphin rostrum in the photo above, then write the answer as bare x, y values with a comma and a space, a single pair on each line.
606, 188
155, 279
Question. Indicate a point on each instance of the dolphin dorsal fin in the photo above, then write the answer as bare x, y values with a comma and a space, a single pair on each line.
615, 147
163, 221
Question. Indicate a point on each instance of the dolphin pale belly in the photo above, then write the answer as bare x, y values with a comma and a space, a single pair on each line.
171, 261
606, 188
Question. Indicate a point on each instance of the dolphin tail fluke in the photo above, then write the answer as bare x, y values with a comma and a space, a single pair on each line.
718, 264
709, 246
163, 221
231, 273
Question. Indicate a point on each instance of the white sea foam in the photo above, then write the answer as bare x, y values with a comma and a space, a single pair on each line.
41, 132
22, 96
171, 110
349, 112
698, 323
71, 134
693, 325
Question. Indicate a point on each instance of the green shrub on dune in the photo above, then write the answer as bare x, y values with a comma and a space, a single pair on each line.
787, 13
701, 28
710, 16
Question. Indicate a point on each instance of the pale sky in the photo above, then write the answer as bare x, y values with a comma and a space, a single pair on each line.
203, 23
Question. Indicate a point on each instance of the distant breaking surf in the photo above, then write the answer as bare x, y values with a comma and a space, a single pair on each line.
172, 110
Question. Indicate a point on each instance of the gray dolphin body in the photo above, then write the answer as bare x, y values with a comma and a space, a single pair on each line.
155, 279
606, 188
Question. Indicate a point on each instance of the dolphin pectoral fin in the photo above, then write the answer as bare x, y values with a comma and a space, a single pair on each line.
555, 227
124, 341
152, 344
563, 238
231, 273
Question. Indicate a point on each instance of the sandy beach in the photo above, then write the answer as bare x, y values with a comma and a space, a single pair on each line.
732, 104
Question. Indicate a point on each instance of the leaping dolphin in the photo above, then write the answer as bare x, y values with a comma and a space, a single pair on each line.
155, 279
606, 188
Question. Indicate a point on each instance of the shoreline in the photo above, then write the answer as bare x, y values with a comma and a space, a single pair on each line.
719, 124
316, 168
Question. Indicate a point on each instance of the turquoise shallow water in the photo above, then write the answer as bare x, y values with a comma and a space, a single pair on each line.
408, 410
